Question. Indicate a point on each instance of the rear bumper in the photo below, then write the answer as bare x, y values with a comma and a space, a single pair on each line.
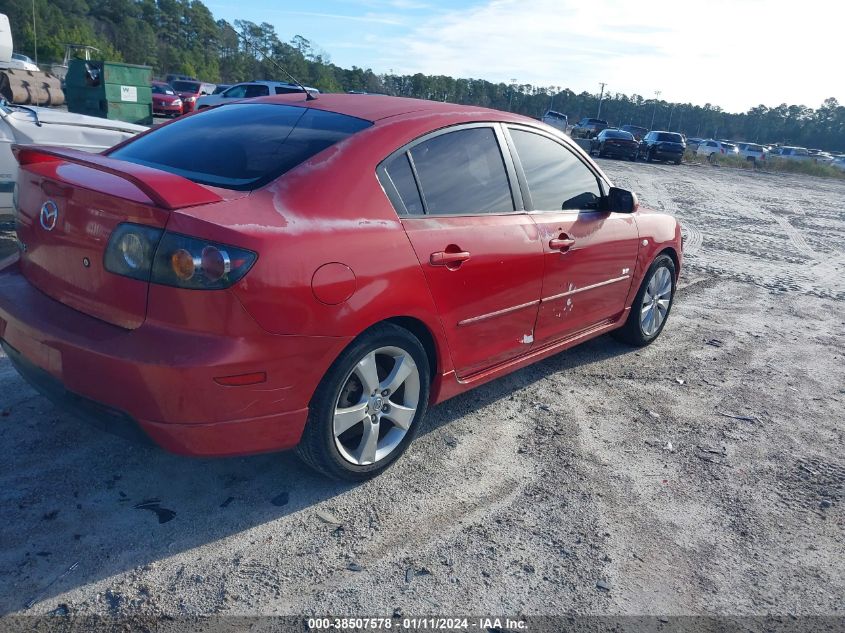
101, 416
660, 154
617, 150
158, 383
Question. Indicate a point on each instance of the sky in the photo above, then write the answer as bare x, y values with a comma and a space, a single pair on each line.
732, 53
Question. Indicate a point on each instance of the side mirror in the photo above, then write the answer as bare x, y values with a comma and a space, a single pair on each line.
622, 201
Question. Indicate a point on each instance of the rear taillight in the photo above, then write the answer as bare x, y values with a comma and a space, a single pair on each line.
131, 249
171, 259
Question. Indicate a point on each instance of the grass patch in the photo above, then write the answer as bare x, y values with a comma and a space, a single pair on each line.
774, 164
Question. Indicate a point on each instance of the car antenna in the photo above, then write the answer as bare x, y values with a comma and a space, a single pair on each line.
308, 95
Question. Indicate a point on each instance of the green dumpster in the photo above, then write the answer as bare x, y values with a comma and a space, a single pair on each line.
110, 90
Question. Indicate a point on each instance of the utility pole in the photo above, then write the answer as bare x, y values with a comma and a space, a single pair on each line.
601, 96
654, 111
671, 111
34, 33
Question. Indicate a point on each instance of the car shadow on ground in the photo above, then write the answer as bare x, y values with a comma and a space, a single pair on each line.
97, 505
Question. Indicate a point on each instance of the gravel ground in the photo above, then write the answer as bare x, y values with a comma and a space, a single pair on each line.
704, 474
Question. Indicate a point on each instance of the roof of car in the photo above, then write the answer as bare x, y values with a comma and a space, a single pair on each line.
268, 82
377, 107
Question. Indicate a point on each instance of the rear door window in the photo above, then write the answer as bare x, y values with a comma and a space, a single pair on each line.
257, 90
401, 176
669, 137
186, 86
463, 173
235, 92
557, 179
242, 146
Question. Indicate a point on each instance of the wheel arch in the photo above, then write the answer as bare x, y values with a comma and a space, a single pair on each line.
435, 350
419, 329
671, 252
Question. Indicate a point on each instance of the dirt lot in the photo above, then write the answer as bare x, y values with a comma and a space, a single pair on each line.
704, 474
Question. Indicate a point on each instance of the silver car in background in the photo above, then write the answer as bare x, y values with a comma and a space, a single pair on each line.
557, 120
751, 151
249, 90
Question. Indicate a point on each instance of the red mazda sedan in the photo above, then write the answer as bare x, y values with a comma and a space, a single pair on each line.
315, 274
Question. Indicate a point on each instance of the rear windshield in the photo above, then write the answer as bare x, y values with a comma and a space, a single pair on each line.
669, 137
186, 86
618, 134
242, 146
597, 122
555, 115
753, 148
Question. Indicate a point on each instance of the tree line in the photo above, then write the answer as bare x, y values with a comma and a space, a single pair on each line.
182, 36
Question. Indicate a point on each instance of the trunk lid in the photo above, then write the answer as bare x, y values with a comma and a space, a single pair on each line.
65, 218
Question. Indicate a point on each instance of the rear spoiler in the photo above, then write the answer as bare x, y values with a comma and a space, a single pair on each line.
165, 190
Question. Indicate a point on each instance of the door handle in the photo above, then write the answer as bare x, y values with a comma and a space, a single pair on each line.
562, 243
448, 259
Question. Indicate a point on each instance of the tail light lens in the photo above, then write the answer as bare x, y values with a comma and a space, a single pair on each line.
130, 250
171, 259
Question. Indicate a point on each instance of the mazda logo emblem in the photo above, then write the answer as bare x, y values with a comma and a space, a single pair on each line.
49, 215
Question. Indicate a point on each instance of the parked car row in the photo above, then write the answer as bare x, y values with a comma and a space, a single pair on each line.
180, 95
655, 145
713, 149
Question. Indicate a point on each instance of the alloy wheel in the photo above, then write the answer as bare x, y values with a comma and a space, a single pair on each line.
656, 301
376, 405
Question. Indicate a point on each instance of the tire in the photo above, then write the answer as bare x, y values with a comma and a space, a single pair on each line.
634, 332
678, 162
712, 158
346, 455
649, 157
